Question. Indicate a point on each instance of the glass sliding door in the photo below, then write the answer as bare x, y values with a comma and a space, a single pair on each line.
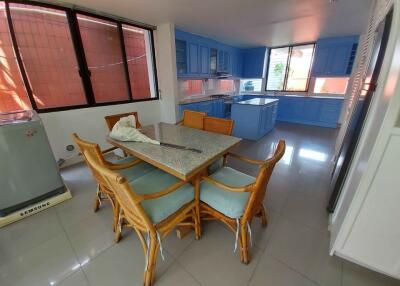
48, 55
102, 47
140, 62
13, 95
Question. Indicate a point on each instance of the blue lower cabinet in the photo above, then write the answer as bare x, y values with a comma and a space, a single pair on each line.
214, 107
253, 121
316, 111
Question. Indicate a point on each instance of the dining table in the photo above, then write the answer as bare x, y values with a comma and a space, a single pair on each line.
183, 152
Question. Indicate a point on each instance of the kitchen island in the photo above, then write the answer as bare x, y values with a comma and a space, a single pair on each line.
254, 118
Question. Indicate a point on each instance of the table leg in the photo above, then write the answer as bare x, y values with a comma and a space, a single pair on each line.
182, 231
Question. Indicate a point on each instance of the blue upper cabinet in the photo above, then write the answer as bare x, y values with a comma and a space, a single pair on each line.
193, 58
204, 60
335, 56
197, 56
181, 57
253, 62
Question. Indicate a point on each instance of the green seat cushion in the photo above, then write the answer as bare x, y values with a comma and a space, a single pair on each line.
136, 171
231, 204
160, 208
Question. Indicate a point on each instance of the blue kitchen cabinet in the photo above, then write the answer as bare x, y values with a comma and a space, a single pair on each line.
193, 59
224, 61
334, 56
214, 107
253, 119
315, 111
181, 57
253, 62
204, 60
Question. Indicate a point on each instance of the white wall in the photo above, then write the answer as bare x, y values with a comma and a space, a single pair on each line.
166, 70
89, 124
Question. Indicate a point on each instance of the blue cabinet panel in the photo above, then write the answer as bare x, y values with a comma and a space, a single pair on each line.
181, 57
253, 62
215, 107
204, 60
253, 121
193, 58
334, 56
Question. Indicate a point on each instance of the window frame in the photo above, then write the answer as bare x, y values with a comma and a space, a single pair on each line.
71, 14
288, 67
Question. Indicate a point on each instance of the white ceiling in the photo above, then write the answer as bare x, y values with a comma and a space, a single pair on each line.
246, 23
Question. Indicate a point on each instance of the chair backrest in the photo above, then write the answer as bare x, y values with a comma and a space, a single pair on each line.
112, 119
193, 119
128, 200
94, 150
262, 179
218, 125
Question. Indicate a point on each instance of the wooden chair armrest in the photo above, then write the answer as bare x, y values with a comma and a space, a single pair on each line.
109, 150
218, 184
113, 166
164, 192
244, 159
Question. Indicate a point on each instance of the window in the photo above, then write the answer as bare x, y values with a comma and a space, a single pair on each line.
70, 59
48, 56
12, 90
103, 52
226, 85
332, 85
250, 85
289, 68
140, 63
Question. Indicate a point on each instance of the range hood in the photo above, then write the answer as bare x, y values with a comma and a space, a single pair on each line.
223, 75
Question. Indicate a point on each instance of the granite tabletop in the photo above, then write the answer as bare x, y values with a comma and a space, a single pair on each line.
258, 101
180, 163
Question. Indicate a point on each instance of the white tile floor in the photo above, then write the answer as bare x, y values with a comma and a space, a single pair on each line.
69, 245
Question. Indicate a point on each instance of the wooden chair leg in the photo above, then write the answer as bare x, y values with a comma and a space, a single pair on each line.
151, 263
244, 247
97, 200
263, 213
197, 225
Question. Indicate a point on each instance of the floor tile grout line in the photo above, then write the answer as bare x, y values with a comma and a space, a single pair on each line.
188, 272
263, 251
73, 250
295, 270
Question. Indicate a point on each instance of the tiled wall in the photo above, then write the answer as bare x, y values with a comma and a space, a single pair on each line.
12, 90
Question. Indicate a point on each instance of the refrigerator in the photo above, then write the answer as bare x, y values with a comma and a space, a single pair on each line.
29, 175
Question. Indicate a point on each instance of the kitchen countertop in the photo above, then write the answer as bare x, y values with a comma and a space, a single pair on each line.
296, 95
258, 101
199, 99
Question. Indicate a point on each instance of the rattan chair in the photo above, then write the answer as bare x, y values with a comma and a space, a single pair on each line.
235, 198
154, 205
193, 119
112, 119
218, 125
130, 167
